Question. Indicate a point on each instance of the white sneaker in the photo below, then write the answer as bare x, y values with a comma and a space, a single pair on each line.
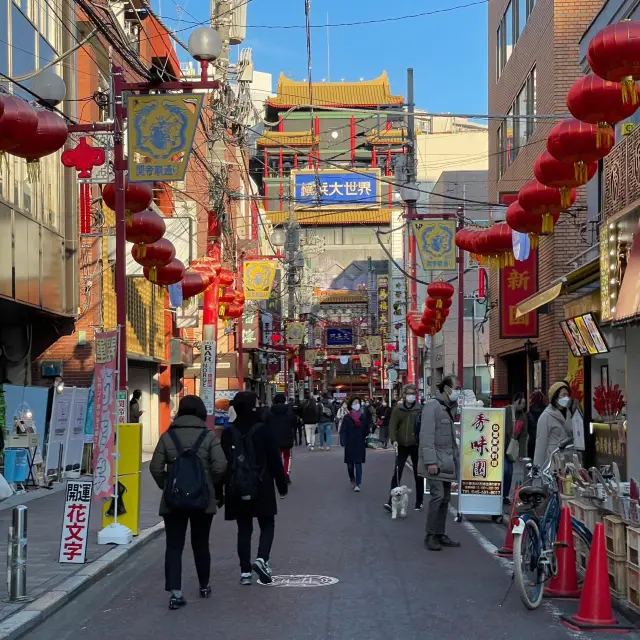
311, 449
357, 488
327, 448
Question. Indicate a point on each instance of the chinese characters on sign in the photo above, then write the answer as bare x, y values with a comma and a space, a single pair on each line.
340, 337
258, 279
611, 446
374, 344
161, 131
516, 284
207, 380
383, 305
337, 187
295, 333
75, 522
434, 240
104, 414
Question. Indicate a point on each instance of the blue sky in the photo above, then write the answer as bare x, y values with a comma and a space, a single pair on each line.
448, 51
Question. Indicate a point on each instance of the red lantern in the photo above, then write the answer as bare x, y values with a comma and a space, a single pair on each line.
390, 347
430, 316
464, 239
239, 296
154, 255
432, 303
500, 244
171, 273
145, 227
227, 277
226, 296
520, 220
137, 196
597, 101
376, 363
614, 54
440, 290
50, 135
560, 175
544, 202
209, 266
579, 143
276, 338
193, 284
234, 311
18, 121
363, 376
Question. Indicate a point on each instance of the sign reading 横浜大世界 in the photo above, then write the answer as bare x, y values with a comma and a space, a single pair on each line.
337, 187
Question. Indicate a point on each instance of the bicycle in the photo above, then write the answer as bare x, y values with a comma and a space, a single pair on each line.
534, 537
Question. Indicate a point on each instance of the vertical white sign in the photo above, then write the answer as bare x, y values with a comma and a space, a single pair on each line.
208, 375
75, 522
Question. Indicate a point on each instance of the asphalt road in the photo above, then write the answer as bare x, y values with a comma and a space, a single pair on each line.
388, 585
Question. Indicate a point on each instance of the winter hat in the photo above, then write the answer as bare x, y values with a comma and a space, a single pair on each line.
409, 388
556, 387
279, 398
192, 406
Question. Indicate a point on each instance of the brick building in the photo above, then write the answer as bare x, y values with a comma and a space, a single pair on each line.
533, 60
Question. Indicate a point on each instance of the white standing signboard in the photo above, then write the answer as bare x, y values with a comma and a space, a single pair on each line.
75, 521
208, 375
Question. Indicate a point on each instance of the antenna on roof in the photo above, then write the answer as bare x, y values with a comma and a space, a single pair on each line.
328, 51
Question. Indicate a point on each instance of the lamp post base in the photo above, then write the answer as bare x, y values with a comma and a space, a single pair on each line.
115, 534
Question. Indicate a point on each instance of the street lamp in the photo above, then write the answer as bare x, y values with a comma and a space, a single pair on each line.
205, 46
487, 358
528, 347
278, 238
49, 88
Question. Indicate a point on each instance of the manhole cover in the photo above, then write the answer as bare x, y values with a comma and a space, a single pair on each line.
302, 581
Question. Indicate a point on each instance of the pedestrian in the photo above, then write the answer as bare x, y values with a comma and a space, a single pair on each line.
325, 422
254, 464
537, 405
384, 427
342, 412
439, 461
310, 418
282, 421
555, 424
514, 428
169, 468
135, 410
404, 438
353, 437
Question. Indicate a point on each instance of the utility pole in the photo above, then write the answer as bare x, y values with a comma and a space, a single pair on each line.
292, 244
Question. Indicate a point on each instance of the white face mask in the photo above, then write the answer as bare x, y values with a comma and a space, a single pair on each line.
564, 402
232, 414
454, 395
356, 406
410, 399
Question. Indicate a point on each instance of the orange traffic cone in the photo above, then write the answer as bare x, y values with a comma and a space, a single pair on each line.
594, 610
506, 551
565, 584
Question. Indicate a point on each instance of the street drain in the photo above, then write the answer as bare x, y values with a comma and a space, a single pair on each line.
302, 581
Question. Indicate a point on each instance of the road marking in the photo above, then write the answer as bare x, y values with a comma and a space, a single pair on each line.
303, 581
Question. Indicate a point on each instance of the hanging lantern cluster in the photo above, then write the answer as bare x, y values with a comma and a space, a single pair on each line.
490, 247
436, 310
30, 133
231, 301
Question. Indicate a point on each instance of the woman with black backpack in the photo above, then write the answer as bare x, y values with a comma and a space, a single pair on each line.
187, 464
254, 464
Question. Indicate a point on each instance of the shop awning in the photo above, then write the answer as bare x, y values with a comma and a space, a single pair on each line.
575, 280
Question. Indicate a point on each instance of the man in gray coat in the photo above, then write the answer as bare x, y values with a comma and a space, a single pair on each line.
439, 459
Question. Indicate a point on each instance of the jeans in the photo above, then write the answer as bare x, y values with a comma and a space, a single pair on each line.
438, 506
355, 472
310, 430
245, 530
325, 433
508, 477
175, 526
401, 460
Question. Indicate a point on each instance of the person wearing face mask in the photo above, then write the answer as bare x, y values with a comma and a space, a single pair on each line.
353, 437
555, 423
439, 459
403, 436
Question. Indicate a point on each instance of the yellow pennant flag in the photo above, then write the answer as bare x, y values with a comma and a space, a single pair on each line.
365, 360
310, 356
295, 333
435, 243
258, 279
374, 344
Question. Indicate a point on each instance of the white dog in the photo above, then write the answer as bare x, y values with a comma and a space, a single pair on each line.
400, 501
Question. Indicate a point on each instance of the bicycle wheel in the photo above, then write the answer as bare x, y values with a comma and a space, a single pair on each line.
526, 565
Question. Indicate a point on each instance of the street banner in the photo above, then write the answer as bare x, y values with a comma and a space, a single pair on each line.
365, 360
310, 356
295, 333
208, 375
161, 129
517, 283
374, 344
435, 243
481, 461
104, 413
75, 522
258, 278
383, 304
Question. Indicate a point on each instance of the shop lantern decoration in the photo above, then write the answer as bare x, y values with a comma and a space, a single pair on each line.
144, 227
614, 54
50, 135
193, 284
579, 143
137, 196
276, 338
233, 311
18, 121
560, 175
544, 203
440, 291
376, 363
226, 296
413, 320
363, 376
522, 221
154, 255
168, 274
609, 402
596, 101
227, 277
239, 297
499, 242
432, 303
390, 348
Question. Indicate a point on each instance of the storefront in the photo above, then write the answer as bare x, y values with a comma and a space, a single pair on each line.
144, 376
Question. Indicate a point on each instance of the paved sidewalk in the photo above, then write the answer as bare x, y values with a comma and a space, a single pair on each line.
44, 522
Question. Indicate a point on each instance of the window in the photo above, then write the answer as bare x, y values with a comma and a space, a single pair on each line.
474, 306
510, 29
509, 40
24, 57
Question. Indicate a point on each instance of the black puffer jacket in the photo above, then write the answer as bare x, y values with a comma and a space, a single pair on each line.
281, 420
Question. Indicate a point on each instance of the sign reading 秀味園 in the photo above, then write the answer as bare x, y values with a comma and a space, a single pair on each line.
517, 283
481, 460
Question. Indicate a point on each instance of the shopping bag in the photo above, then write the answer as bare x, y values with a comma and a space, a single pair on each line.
5, 489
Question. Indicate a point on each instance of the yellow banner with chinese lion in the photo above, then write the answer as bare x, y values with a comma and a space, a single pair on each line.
482, 451
435, 243
295, 333
374, 344
258, 279
365, 360
310, 356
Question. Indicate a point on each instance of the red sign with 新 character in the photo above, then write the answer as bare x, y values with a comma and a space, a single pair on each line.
517, 283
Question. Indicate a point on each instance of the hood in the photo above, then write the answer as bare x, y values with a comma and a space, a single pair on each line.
183, 422
279, 410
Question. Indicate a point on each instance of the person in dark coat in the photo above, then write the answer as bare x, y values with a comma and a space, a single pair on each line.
188, 427
537, 405
354, 430
283, 423
310, 417
263, 506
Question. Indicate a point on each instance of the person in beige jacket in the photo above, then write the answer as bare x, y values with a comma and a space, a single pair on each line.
555, 424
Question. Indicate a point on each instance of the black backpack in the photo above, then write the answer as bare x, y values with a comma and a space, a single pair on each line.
327, 412
246, 476
187, 488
